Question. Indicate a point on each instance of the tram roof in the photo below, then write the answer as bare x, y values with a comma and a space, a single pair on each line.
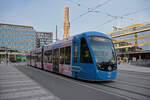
94, 33
90, 33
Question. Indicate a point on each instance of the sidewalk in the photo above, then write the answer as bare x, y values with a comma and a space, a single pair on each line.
129, 67
14, 85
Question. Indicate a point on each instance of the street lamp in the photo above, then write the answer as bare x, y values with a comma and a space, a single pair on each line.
6, 55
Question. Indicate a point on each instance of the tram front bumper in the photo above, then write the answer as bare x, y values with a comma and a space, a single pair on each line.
103, 75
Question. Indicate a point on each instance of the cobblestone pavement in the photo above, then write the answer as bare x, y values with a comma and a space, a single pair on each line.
14, 85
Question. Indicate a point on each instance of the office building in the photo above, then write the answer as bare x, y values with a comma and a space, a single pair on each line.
132, 43
17, 37
15, 40
43, 38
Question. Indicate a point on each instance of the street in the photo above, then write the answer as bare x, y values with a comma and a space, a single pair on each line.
128, 85
76, 49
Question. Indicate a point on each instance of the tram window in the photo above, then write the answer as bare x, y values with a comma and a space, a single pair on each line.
34, 57
48, 56
75, 53
56, 56
45, 56
85, 56
38, 57
62, 55
67, 55
57, 53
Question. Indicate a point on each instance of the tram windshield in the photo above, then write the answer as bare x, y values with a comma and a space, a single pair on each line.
103, 49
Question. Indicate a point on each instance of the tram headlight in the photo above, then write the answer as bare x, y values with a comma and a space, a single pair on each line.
109, 68
100, 67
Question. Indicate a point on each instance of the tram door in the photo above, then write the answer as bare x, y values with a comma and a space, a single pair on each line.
56, 60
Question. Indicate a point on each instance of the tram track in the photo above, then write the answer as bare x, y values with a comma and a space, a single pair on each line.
123, 92
133, 95
118, 91
122, 88
123, 78
133, 84
132, 80
137, 77
100, 87
134, 73
73, 82
128, 90
110, 89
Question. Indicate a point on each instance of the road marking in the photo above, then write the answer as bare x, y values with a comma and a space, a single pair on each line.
44, 98
17, 85
14, 82
22, 94
19, 89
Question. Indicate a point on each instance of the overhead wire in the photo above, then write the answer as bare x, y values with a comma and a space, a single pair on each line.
108, 21
128, 14
91, 10
123, 16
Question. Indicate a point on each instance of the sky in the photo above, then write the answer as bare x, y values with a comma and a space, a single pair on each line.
85, 15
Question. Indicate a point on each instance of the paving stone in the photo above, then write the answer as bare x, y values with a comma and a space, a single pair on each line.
14, 85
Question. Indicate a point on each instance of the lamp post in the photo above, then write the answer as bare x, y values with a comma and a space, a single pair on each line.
6, 56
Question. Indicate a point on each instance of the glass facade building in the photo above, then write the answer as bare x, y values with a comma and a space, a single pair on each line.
43, 38
132, 42
17, 37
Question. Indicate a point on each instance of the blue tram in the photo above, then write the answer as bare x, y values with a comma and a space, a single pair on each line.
89, 56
